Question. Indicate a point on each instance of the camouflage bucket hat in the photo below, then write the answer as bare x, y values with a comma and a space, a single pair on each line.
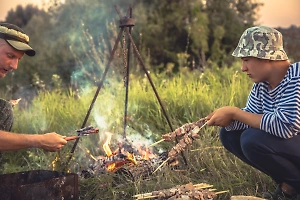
261, 42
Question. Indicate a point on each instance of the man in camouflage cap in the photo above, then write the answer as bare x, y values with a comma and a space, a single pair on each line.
265, 133
14, 43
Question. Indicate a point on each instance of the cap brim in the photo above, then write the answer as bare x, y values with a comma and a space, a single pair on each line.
22, 47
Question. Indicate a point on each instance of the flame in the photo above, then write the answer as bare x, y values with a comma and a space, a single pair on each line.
145, 155
145, 152
117, 164
131, 158
107, 143
111, 167
53, 163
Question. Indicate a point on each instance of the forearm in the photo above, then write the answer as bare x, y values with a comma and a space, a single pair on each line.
248, 118
13, 141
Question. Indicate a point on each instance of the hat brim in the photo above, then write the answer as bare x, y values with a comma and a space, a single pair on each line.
262, 54
21, 46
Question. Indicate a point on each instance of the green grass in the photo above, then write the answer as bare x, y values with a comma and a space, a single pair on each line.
187, 97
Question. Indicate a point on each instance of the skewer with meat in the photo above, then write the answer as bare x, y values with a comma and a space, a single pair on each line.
188, 191
181, 131
186, 140
83, 132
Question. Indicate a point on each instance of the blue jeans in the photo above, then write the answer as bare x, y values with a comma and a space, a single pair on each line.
279, 158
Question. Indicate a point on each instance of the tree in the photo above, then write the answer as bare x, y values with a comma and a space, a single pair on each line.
191, 26
198, 34
234, 16
21, 16
170, 26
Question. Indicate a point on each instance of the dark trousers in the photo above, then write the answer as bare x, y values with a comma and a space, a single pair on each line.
279, 158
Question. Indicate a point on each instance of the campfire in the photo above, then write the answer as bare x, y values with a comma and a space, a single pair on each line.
138, 161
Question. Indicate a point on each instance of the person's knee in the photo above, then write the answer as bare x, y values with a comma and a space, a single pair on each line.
229, 139
224, 137
252, 143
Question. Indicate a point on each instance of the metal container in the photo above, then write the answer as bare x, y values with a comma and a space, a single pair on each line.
39, 185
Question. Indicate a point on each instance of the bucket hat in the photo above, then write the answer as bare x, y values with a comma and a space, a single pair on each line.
16, 37
261, 42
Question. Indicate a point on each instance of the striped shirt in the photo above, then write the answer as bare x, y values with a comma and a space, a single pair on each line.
280, 107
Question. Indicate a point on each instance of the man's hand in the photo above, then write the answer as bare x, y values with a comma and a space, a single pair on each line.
51, 141
222, 116
14, 102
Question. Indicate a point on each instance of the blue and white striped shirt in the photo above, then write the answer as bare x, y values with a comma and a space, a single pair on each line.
280, 107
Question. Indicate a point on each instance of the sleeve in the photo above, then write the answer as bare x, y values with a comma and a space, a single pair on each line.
284, 120
254, 105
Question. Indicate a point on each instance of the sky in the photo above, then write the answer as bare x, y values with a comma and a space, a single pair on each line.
274, 13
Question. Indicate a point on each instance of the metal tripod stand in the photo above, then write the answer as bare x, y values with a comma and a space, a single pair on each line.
126, 23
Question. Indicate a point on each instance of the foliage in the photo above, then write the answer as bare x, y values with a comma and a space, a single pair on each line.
291, 42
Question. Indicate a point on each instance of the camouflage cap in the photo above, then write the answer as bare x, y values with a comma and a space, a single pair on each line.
16, 38
261, 42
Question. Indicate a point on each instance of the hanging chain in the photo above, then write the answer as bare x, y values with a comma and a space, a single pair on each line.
124, 51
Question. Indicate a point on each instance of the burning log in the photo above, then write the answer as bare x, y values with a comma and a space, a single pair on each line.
114, 162
138, 164
188, 191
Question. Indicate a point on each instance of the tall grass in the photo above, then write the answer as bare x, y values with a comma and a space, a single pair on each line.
186, 96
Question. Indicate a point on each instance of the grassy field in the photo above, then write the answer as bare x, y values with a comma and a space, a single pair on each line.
186, 96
